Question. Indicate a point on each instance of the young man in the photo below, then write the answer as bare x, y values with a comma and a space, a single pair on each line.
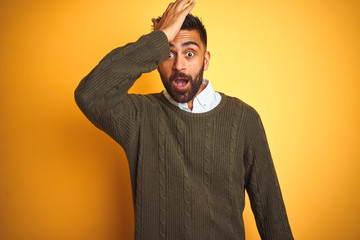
192, 152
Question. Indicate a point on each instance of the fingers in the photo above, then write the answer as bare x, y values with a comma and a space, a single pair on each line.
173, 18
180, 4
189, 8
170, 6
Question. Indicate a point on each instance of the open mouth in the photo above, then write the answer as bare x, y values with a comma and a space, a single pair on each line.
181, 83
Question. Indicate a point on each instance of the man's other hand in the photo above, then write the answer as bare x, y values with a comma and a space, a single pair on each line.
173, 18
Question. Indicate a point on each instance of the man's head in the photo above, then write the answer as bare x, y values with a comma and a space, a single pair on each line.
182, 72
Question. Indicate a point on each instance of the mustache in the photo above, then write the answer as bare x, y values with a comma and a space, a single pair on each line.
180, 75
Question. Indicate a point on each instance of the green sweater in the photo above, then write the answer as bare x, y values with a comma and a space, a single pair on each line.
188, 171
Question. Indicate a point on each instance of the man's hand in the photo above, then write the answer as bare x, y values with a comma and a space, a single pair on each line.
173, 18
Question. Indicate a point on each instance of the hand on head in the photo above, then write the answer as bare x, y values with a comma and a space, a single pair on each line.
173, 18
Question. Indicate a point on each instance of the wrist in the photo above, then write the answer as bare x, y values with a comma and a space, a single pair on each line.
168, 34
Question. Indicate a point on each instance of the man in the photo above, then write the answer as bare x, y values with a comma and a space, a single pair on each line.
192, 152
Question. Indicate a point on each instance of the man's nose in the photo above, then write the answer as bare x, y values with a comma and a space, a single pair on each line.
179, 64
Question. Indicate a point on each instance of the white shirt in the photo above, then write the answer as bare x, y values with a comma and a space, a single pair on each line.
205, 101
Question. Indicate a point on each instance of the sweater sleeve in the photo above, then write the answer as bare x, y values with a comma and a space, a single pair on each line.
102, 95
262, 185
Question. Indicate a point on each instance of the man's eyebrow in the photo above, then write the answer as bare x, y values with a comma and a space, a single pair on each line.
186, 44
190, 43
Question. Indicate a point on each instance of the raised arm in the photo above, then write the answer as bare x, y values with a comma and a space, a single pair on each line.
102, 94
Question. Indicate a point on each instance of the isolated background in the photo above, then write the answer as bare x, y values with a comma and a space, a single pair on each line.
297, 62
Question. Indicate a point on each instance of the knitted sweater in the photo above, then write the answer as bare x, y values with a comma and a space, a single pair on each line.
188, 171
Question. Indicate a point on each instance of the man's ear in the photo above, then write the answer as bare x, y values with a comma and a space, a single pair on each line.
206, 60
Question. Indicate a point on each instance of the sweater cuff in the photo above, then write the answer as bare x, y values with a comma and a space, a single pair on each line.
160, 43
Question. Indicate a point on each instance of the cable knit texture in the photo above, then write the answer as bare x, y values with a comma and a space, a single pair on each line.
188, 171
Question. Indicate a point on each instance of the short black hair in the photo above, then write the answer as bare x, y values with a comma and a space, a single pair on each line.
193, 23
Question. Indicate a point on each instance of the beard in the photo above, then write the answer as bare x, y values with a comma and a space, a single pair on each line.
185, 95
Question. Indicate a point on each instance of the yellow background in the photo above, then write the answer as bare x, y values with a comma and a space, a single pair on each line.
297, 62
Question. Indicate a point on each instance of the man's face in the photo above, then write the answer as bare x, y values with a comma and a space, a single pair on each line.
182, 72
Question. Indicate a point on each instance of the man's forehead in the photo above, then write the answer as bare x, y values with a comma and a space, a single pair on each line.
187, 37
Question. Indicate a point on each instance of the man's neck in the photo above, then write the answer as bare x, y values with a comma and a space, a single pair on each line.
190, 104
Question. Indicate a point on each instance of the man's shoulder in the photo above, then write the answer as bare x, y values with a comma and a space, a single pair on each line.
249, 118
239, 104
144, 99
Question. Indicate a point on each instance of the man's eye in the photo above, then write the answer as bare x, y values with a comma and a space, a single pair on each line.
171, 55
190, 54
